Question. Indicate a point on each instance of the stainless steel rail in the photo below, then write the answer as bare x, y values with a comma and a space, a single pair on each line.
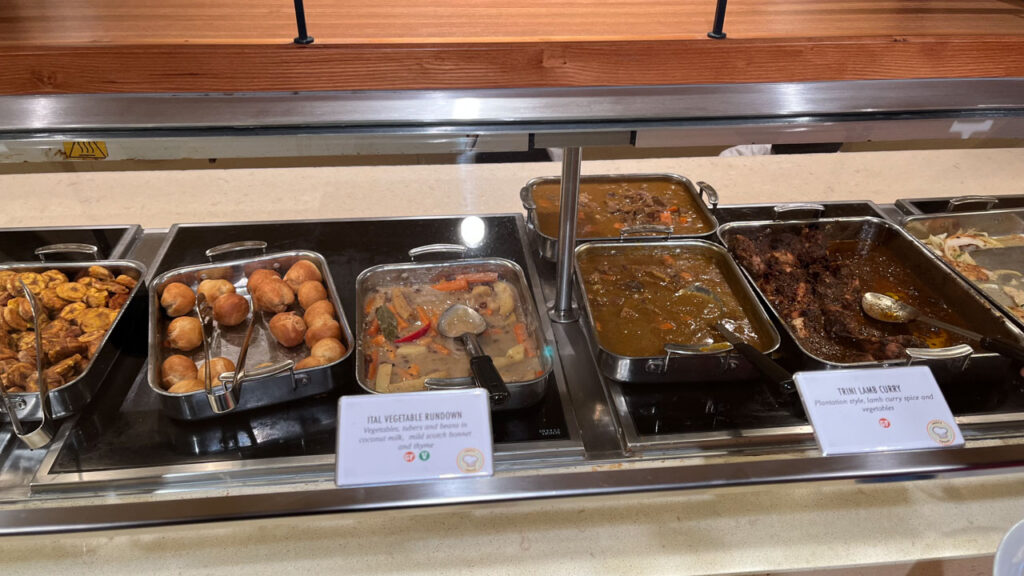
112, 112
169, 126
503, 487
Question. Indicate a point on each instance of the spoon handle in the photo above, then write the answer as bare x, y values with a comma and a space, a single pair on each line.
768, 367
487, 377
1003, 347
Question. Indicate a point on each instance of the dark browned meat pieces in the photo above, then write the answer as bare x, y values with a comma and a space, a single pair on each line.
817, 295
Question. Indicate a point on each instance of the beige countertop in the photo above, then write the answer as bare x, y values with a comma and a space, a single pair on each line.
159, 199
763, 528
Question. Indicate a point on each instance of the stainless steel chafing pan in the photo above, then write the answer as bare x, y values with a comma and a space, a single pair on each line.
682, 361
977, 312
523, 393
968, 203
548, 244
994, 224
275, 385
74, 395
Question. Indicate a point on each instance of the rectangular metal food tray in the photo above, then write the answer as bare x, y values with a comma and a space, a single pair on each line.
975, 309
109, 242
680, 364
992, 222
969, 203
259, 392
548, 245
522, 394
75, 395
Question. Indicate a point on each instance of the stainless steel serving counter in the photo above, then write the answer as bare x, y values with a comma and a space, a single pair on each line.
611, 466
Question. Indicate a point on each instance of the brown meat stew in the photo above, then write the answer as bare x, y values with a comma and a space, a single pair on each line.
643, 297
816, 287
606, 207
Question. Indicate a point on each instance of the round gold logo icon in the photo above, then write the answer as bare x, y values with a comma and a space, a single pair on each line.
470, 460
941, 433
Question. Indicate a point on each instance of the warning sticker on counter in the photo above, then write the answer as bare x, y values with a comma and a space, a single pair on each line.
86, 150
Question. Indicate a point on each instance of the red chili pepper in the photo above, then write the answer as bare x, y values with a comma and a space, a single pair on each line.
419, 333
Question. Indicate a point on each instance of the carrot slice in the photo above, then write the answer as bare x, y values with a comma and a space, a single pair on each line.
673, 209
371, 372
666, 217
668, 260
456, 285
424, 317
379, 341
666, 325
440, 348
521, 334
402, 324
374, 328
619, 225
523, 337
414, 370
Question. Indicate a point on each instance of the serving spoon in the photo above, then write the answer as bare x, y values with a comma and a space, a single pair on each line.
764, 364
462, 322
889, 309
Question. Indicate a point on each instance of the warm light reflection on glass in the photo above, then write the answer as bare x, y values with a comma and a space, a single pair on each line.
473, 230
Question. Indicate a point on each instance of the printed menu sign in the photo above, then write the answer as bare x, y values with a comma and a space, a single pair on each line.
396, 438
877, 409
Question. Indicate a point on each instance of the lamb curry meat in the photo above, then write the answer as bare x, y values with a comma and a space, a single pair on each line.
607, 206
816, 286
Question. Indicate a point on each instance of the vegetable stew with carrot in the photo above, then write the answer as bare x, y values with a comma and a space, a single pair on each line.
403, 348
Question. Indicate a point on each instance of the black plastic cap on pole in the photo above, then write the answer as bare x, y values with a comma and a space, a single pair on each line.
300, 21
716, 30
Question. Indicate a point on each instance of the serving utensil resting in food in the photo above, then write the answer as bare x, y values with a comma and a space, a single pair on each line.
464, 323
888, 309
43, 433
768, 367
650, 308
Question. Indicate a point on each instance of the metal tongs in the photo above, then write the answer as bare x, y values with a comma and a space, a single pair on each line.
43, 433
226, 398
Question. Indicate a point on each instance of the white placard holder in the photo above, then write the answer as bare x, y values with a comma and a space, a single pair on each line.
414, 437
877, 409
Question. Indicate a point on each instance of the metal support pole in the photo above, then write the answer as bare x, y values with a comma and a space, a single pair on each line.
716, 30
563, 312
300, 21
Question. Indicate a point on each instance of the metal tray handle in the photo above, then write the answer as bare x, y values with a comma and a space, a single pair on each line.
43, 433
958, 203
957, 356
645, 229
723, 350
707, 193
437, 248
231, 247
67, 248
526, 197
794, 211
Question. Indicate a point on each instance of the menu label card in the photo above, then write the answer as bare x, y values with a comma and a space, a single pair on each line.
877, 409
398, 438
